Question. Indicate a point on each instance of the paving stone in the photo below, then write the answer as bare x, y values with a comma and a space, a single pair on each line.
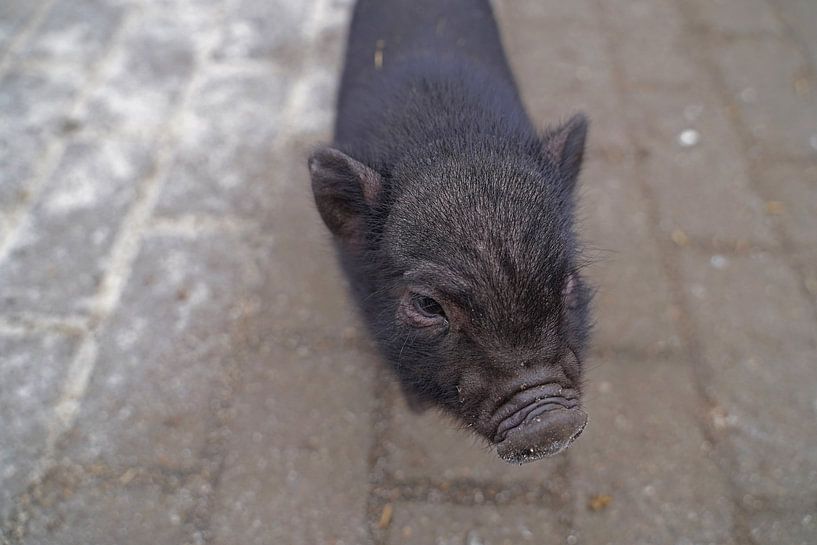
649, 37
633, 304
77, 508
702, 189
74, 224
305, 288
77, 33
578, 12
14, 16
760, 368
800, 17
797, 528
773, 87
643, 452
296, 466
257, 29
738, 16
261, 29
33, 104
416, 523
790, 190
623, 15
32, 368
143, 79
224, 164
654, 58
563, 68
153, 393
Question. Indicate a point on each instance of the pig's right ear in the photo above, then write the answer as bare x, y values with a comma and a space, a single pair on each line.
564, 147
344, 190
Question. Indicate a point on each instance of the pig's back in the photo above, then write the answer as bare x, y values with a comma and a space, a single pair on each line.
405, 29
394, 43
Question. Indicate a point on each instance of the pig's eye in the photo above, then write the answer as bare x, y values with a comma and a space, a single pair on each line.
419, 310
427, 307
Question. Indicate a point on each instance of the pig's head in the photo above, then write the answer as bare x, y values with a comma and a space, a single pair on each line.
467, 268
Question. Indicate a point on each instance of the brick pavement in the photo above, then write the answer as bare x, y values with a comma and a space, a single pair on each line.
179, 362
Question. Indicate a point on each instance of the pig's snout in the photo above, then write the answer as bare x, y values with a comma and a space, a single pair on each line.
538, 422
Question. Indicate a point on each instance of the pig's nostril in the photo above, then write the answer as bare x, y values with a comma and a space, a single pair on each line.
525, 395
530, 412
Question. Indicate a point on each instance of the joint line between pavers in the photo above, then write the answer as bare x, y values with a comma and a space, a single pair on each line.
472, 492
24, 34
723, 37
730, 248
24, 324
192, 226
73, 388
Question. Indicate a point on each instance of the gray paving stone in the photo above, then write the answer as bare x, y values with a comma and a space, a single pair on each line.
75, 32
644, 448
74, 224
795, 527
563, 68
578, 12
143, 79
702, 189
296, 470
738, 16
257, 29
224, 164
769, 80
415, 523
77, 508
33, 106
633, 304
152, 396
305, 288
794, 186
32, 368
757, 333
13, 19
649, 38
800, 16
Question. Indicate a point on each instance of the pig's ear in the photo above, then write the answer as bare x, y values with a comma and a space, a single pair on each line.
344, 190
564, 146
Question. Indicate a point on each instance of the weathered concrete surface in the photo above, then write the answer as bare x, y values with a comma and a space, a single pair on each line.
179, 362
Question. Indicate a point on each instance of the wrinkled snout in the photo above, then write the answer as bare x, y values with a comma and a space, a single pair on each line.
537, 422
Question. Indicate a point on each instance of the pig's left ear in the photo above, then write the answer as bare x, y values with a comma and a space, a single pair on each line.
564, 147
344, 191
